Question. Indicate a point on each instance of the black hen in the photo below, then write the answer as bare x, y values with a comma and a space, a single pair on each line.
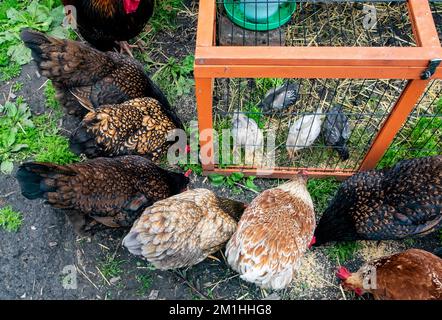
281, 97
86, 78
387, 204
336, 131
113, 191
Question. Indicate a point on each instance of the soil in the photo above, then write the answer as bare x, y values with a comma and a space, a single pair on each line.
33, 259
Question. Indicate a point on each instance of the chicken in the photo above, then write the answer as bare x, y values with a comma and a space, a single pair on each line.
303, 132
246, 133
113, 191
86, 78
103, 22
280, 98
140, 126
336, 131
272, 235
410, 275
183, 230
387, 204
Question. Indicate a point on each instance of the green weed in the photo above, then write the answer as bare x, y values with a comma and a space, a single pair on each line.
342, 251
10, 220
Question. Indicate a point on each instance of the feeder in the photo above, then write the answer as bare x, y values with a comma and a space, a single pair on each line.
260, 15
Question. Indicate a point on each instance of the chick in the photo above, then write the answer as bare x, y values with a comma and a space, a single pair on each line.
272, 235
388, 204
303, 132
410, 275
336, 131
280, 98
183, 230
246, 133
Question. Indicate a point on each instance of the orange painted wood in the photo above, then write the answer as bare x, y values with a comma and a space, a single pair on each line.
204, 100
341, 72
397, 117
425, 32
316, 56
206, 23
283, 172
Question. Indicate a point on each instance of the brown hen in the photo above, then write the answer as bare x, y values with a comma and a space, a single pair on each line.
86, 78
273, 234
103, 22
411, 275
183, 230
387, 204
113, 191
139, 126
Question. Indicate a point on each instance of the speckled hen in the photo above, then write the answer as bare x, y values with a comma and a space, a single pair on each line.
410, 275
138, 126
183, 230
85, 78
387, 204
273, 234
113, 191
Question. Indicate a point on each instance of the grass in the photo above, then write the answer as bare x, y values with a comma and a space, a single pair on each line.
342, 251
24, 136
43, 15
175, 77
145, 281
111, 267
10, 220
322, 191
164, 16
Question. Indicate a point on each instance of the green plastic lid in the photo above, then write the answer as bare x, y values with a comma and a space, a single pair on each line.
235, 10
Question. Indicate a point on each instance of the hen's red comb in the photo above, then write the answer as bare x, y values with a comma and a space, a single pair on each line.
312, 242
188, 172
358, 292
343, 273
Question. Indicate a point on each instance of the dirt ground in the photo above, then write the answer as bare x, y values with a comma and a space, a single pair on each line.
33, 259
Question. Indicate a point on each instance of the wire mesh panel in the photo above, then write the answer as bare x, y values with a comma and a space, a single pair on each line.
436, 9
302, 115
421, 135
313, 23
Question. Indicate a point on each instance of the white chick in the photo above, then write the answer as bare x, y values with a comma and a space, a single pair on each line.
246, 133
304, 132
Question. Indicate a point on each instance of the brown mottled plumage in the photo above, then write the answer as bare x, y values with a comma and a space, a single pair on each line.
183, 230
387, 204
113, 191
138, 126
273, 234
86, 78
103, 22
410, 275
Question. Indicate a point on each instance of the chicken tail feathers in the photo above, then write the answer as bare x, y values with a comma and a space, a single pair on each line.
82, 141
34, 178
64, 61
131, 242
343, 152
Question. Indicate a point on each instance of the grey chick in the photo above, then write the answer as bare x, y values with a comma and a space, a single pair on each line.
336, 131
281, 97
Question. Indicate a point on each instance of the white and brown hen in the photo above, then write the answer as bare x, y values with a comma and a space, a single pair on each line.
183, 230
273, 234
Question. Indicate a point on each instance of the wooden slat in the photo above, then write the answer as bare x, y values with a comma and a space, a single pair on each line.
206, 23
397, 117
425, 32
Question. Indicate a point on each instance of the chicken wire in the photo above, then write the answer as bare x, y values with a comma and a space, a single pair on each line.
321, 23
421, 134
366, 104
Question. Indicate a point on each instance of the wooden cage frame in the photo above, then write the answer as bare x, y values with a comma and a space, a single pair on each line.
314, 62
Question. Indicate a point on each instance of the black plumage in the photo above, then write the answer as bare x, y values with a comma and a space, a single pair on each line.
336, 131
113, 191
386, 204
280, 98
